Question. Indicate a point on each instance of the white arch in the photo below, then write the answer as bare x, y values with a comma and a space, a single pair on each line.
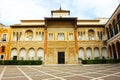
81, 53
104, 52
13, 52
96, 52
31, 54
22, 54
40, 54
89, 53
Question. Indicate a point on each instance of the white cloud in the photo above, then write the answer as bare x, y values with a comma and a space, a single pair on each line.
96, 8
12, 11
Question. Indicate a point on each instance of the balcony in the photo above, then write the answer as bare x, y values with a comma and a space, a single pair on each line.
114, 38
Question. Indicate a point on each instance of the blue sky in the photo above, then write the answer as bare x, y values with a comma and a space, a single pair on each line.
12, 11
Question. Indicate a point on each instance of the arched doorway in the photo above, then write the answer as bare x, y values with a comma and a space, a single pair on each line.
22, 54
14, 54
31, 54
89, 53
96, 53
104, 52
118, 48
81, 53
110, 51
114, 51
40, 54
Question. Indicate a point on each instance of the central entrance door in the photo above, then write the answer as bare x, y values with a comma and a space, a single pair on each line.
61, 57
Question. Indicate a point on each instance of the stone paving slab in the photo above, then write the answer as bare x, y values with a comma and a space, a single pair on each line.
61, 72
77, 77
111, 78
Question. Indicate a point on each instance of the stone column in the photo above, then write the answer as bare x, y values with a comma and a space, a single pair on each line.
100, 50
56, 35
96, 33
18, 54
65, 36
34, 35
106, 37
35, 55
23, 36
85, 57
93, 53
26, 54
86, 35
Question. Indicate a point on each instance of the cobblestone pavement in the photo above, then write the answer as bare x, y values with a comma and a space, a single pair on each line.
61, 72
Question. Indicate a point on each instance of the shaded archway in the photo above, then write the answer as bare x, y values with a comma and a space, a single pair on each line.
114, 51
3, 49
118, 48
89, 53
31, 54
81, 53
22, 54
110, 51
40, 54
14, 54
96, 52
111, 30
115, 26
104, 52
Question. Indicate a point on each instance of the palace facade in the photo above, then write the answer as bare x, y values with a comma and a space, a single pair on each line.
4, 42
62, 39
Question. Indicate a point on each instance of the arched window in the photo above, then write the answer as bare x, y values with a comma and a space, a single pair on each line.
31, 54
40, 54
104, 52
22, 54
3, 48
81, 53
96, 53
14, 54
89, 53
29, 35
111, 31
115, 27
118, 18
91, 34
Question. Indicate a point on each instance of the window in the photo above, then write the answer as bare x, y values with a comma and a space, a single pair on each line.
61, 36
29, 35
4, 38
91, 35
50, 36
42, 36
3, 49
1, 57
79, 35
70, 36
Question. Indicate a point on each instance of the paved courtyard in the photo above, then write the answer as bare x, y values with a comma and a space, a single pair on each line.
61, 72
